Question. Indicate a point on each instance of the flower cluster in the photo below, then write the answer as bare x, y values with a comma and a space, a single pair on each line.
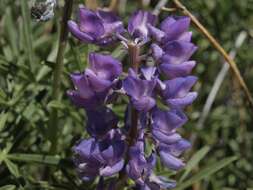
148, 84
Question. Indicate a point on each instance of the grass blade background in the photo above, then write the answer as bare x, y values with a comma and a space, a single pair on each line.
205, 172
193, 162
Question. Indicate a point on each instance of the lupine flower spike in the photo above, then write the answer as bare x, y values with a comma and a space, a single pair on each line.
115, 151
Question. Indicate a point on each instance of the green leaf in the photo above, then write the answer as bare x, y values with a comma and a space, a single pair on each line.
4, 152
193, 162
13, 168
209, 170
38, 158
8, 187
27, 31
3, 119
56, 104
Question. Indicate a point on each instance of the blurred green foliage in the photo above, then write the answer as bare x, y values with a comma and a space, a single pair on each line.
27, 56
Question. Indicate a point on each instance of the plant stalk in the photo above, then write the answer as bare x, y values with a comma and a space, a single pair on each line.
57, 74
134, 58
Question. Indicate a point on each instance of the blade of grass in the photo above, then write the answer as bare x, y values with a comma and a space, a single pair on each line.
193, 162
27, 32
206, 172
58, 69
37, 158
3, 119
8, 187
13, 168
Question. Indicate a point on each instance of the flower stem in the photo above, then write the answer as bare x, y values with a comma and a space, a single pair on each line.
134, 57
134, 53
57, 73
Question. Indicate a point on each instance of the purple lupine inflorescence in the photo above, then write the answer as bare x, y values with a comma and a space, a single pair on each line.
160, 77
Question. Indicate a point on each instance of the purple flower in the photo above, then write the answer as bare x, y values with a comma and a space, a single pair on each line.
170, 144
140, 92
177, 92
92, 86
173, 48
99, 127
103, 157
96, 27
139, 167
138, 24
169, 154
177, 52
156, 183
172, 29
103, 71
173, 58
165, 123
106, 152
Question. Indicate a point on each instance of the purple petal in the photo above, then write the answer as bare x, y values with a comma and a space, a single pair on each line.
174, 28
165, 138
99, 127
157, 51
156, 33
108, 153
107, 16
85, 148
177, 70
111, 22
105, 66
79, 101
167, 121
81, 83
96, 83
145, 103
138, 88
90, 23
138, 24
182, 102
111, 170
148, 72
179, 87
75, 30
178, 148
170, 161
178, 52
185, 37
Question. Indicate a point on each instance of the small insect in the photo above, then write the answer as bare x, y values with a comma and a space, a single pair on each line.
43, 11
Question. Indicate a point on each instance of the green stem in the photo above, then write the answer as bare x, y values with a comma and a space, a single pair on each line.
57, 73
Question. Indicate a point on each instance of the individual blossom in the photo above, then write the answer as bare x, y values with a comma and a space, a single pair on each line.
165, 123
154, 182
172, 29
138, 24
100, 157
170, 144
176, 93
92, 86
140, 91
99, 127
173, 59
173, 47
169, 154
139, 166
97, 27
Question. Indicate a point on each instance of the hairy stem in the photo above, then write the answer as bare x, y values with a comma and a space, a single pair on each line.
134, 57
57, 73
217, 46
